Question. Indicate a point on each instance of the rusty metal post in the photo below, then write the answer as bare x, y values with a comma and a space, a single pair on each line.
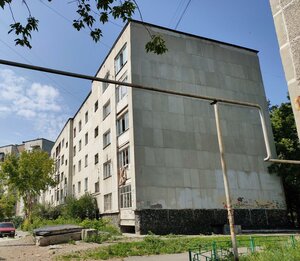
226, 183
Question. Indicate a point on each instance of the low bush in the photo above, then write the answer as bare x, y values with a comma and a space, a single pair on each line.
105, 230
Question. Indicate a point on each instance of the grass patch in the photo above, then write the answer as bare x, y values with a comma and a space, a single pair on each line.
155, 245
150, 245
275, 253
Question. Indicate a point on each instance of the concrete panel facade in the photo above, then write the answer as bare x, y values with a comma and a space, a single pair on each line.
286, 15
177, 157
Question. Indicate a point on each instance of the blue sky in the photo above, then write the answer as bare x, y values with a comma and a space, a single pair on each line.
34, 104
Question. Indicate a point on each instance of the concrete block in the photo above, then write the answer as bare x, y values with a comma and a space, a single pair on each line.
287, 62
57, 239
280, 29
86, 233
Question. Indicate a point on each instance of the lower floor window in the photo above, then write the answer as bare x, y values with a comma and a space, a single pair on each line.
107, 201
125, 196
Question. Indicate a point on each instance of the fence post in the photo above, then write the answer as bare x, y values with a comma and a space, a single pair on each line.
190, 254
252, 245
293, 241
214, 251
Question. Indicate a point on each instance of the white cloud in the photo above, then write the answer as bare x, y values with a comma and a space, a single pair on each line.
40, 104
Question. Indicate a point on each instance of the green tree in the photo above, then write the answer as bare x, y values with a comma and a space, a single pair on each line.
8, 200
28, 174
288, 147
89, 15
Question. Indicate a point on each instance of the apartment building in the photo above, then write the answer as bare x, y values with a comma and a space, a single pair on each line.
39, 143
151, 160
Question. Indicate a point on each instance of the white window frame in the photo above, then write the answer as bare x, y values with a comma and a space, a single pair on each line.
123, 123
125, 196
124, 157
121, 90
107, 169
79, 187
121, 59
105, 84
106, 138
86, 116
107, 201
86, 160
106, 109
97, 187
86, 184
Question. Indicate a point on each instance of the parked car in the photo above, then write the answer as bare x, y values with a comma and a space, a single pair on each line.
7, 229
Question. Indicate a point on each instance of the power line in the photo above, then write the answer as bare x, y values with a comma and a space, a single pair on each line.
46, 75
183, 13
176, 12
69, 21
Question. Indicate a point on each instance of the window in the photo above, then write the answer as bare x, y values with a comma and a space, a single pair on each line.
61, 194
57, 195
2, 156
62, 177
74, 169
121, 91
105, 84
85, 161
96, 106
86, 117
74, 132
79, 165
66, 181
106, 109
97, 188
121, 59
124, 157
74, 150
86, 138
79, 145
85, 184
66, 162
73, 189
96, 131
107, 169
96, 158
66, 144
79, 125
63, 142
62, 160
79, 186
125, 197
122, 123
107, 202
106, 138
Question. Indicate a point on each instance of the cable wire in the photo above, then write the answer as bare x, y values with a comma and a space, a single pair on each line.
183, 14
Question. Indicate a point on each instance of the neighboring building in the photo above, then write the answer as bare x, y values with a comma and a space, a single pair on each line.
286, 15
39, 143
152, 160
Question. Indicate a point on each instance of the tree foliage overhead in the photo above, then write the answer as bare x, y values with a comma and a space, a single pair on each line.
288, 147
28, 174
91, 14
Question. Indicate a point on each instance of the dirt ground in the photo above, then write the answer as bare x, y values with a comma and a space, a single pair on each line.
24, 249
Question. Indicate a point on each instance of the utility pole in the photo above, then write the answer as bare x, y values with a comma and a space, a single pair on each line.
226, 183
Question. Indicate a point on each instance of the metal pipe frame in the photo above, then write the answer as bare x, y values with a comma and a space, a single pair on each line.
137, 86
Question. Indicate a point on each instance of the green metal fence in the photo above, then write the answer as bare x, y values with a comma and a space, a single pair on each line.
222, 250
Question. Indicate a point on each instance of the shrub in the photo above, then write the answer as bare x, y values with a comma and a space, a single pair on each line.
105, 230
82, 208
